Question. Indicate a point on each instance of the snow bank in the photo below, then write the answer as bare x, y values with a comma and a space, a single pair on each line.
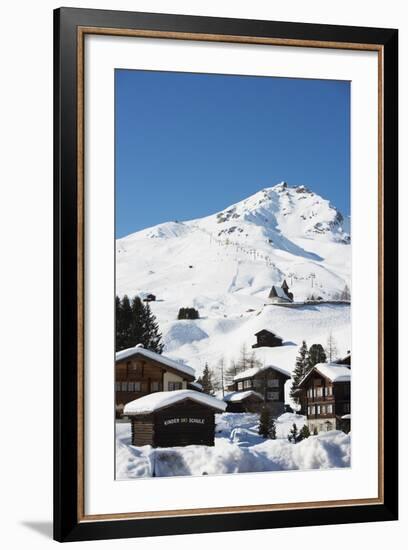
238, 449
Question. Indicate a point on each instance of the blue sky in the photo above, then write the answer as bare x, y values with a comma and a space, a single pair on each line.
188, 145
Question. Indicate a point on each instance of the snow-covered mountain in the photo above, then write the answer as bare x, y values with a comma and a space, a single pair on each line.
225, 264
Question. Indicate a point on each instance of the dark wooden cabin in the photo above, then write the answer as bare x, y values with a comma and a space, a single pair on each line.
267, 338
269, 382
325, 397
346, 360
149, 298
174, 419
139, 371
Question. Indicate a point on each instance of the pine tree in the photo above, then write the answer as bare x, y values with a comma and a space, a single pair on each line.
123, 324
293, 436
137, 325
267, 426
345, 295
206, 380
152, 336
304, 432
316, 355
300, 370
118, 323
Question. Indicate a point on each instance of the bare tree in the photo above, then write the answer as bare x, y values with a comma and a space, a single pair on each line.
331, 347
220, 376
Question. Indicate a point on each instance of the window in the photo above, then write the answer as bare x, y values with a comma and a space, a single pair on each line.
312, 409
329, 409
273, 383
155, 386
310, 393
240, 385
117, 386
247, 384
133, 386
174, 386
319, 392
318, 409
323, 409
257, 384
309, 409
273, 395
124, 386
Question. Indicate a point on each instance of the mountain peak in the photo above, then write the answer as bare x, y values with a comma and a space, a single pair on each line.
293, 212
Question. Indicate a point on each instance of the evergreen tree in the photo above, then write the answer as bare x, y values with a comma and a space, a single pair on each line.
138, 322
118, 323
135, 324
188, 313
304, 432
345, 295
293, 436
152, 336
316, 355
123, 323
300, 370
206, 380
267, 426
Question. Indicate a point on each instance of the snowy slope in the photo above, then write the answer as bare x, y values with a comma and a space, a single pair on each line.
225, 264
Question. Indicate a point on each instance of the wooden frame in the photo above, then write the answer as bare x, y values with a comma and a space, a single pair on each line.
70, 28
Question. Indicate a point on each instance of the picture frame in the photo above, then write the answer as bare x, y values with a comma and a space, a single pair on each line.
71, 26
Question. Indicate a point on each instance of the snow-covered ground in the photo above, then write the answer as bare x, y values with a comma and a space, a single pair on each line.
238, 448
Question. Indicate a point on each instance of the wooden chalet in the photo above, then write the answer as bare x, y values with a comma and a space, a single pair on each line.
281, 294
174, 418
346, 360
269, 382
243, 401
324, 395
267, 338
139, 372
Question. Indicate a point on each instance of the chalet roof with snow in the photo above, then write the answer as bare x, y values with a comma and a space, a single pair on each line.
346, 360
250, 373
332, 371
159, 400
140, 351
279, 293
238, 396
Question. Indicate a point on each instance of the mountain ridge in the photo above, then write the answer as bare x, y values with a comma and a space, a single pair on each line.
224, 265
